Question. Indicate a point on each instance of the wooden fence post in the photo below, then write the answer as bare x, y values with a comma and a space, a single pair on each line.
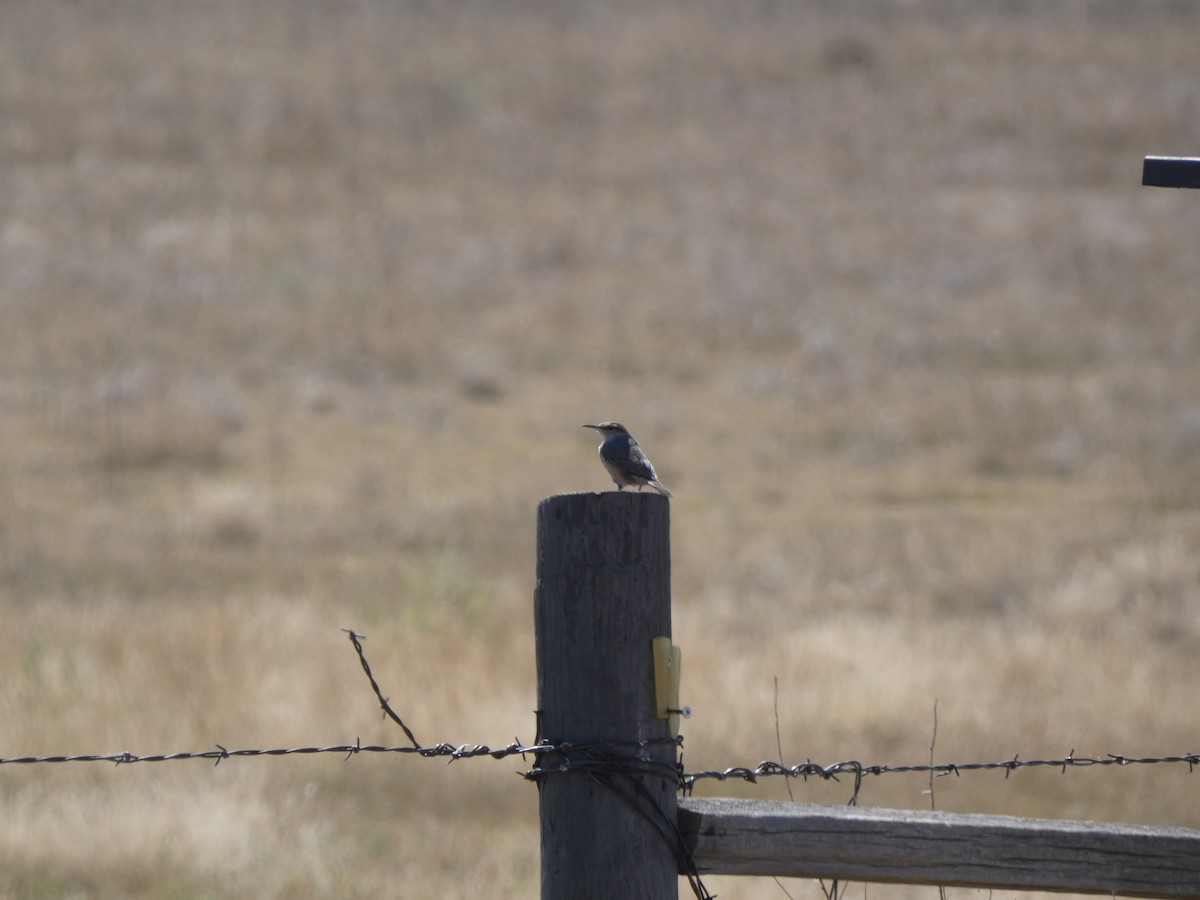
603, 594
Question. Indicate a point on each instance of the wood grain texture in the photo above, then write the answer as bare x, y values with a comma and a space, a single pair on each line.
603, 594
954, 849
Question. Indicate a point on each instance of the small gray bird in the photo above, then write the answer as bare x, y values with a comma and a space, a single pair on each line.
624, 459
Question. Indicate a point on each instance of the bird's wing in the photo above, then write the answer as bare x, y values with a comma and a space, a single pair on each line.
639, 463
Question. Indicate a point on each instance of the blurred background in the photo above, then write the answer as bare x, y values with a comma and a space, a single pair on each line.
304, 302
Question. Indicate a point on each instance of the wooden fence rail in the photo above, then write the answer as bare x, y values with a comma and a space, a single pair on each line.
755, 837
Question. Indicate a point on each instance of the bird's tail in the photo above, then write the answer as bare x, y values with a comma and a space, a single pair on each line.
658, 487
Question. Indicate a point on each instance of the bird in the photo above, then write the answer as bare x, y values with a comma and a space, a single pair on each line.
624, 459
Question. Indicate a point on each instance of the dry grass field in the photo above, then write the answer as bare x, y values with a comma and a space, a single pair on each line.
303, 303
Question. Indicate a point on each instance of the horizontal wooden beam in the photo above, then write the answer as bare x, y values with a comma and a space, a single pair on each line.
853, 843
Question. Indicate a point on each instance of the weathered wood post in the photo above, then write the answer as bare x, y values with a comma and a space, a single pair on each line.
603, 594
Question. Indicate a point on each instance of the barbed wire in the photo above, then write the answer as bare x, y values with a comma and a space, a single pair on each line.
464, 751
593, 756
809, 769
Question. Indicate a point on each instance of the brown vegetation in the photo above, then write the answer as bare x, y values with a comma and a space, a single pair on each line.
303, 304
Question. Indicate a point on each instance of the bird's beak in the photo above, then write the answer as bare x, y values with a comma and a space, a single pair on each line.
597, 427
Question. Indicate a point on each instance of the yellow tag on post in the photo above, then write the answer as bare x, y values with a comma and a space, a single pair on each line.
667, 662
